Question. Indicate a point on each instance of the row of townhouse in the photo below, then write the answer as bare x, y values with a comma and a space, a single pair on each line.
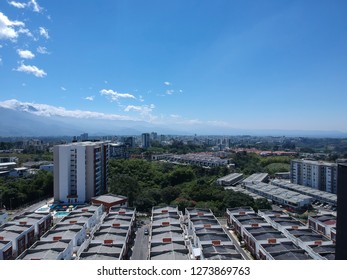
207, 238
114, 237
199, 159
167, 239
274, 235
230, 180
317, 245
261, 239
322, 196
20, 233
288, 198
324, 224
64, 240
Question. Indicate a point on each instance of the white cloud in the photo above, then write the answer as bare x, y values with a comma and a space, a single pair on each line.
143, 110
31, 69
141, 98
180, 91
167, 83
42, 50
48, 110
114, 95
44, 32
25, 31
7, 27
89, 98
35, 6
175, 116
63, 89
18, 5
170, 92
26, 54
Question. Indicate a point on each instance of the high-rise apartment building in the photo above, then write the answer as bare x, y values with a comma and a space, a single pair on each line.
145, 143
316, 174
80, 171
129, 142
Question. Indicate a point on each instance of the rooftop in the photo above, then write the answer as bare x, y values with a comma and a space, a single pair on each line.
171, 255
299, 255
109, 198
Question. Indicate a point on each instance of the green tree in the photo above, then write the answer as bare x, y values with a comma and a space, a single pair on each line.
124, 185
261, 204
170, 193
181, 175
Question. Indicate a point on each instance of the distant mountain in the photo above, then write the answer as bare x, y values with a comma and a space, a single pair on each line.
23, 123
17, 123
29, 119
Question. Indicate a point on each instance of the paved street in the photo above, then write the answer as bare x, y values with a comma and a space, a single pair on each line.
31, 208
140, 248
233, 237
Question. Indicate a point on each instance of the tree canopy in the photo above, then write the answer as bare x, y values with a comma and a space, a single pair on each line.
149, 184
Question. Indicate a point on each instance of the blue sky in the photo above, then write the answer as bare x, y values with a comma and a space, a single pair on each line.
227, 63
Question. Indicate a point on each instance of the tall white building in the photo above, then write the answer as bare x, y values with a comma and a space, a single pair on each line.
80, 171
316, 174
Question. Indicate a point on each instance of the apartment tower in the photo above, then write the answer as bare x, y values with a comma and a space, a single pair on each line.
315, 174
80, 171
145, 140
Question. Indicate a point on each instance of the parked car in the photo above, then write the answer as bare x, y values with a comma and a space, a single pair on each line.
146, 232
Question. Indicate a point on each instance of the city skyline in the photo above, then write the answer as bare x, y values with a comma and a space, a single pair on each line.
184, 64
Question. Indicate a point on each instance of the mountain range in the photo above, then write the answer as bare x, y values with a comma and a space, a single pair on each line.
24, 120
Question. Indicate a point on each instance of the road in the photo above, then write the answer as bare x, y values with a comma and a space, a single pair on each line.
230, 233
31, 208
140, 248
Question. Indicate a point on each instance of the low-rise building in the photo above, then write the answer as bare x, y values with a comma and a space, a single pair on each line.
47, 167
256, 178
110, 200
306, 237
243, 221
324, 224
230, 180
41, 221
279, 250
167, 240
114, 236
6, 249
207, 238
49, 250
324, 252
322, 196
75, 232
287, 198
21, 237
99, 251
19, 172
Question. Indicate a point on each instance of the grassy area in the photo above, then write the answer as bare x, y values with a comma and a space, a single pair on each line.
273, 168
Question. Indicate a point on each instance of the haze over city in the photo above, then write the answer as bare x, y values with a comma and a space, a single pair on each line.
191, 66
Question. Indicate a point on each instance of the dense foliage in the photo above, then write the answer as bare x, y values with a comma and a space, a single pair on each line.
149, 184
249, 163
15, 192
